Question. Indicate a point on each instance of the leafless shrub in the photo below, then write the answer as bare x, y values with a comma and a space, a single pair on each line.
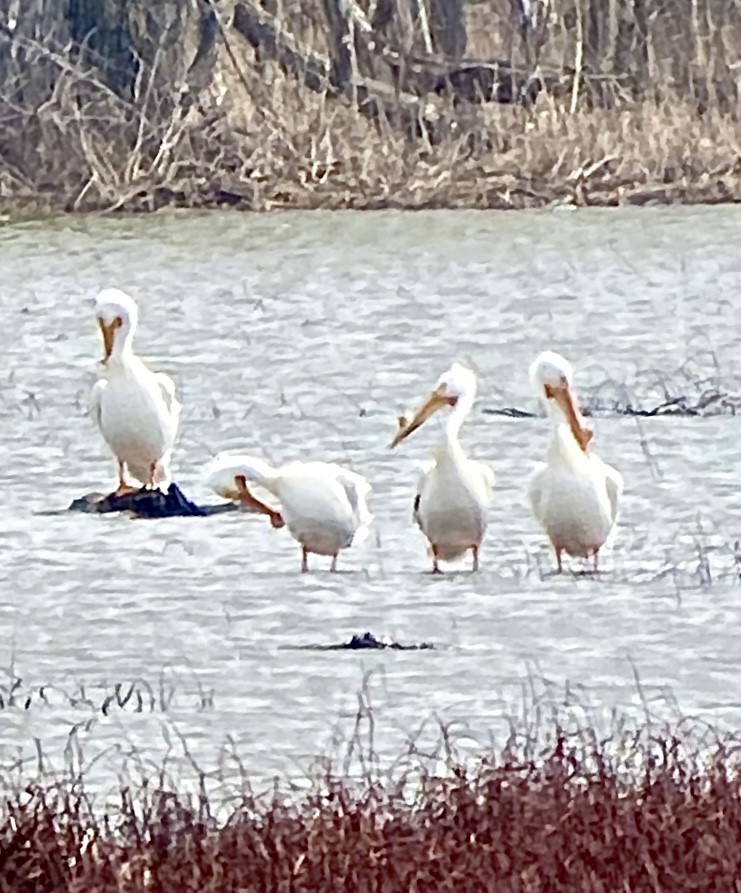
635, 119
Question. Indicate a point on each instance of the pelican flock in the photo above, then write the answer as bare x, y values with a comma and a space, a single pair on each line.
574, 494
454, 492
322, 504
136, 409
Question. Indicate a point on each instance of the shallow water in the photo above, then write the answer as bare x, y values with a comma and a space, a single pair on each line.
304, 335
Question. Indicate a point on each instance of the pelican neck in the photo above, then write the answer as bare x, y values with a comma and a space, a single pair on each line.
564, 444
120, 356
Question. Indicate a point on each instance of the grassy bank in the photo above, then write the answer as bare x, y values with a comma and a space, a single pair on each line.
643, 810
270, 106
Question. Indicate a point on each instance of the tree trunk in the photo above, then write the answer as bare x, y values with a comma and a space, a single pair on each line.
339, 37
101, 28
448, 27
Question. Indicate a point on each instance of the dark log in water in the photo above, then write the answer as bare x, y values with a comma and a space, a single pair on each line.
369, 641
149, 504
710, 402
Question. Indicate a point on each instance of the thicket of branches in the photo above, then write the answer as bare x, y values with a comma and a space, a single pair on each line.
367, 103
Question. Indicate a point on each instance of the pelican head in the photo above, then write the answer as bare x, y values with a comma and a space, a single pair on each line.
552, 375
456, 387
115, 310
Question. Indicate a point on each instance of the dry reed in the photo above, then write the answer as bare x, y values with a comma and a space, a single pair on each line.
256, 137
640, 809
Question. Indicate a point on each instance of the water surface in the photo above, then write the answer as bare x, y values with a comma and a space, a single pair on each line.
302, 336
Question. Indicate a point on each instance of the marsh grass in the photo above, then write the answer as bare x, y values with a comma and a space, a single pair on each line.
310, 156
562, 805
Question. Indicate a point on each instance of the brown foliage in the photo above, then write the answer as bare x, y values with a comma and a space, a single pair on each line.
642, 812
633, 109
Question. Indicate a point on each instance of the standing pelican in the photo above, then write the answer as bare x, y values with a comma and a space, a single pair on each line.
136, 409
454, 492
322, 504
574, 494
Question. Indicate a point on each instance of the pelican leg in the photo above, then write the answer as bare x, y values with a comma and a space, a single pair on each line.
333, 567
123, 486
475, 551
435, 565
152, 473
595, 558
304, 561
559, 563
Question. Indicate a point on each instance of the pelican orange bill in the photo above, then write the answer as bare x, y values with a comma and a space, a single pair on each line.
435, 401
109, 334
564, 396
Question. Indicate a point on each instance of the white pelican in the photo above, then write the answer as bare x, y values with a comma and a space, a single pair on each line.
574, 494
136, 409
322, 504
454, 492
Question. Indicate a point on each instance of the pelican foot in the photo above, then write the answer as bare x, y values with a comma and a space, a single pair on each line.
125, 489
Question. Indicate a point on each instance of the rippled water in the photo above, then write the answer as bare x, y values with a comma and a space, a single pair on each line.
303, 335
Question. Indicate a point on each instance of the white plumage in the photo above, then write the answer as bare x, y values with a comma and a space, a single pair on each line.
454, 492
574, 494
322, 504
136, 409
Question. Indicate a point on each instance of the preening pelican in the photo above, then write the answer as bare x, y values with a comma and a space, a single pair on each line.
574, 494
323, 505
454, 492
136, 409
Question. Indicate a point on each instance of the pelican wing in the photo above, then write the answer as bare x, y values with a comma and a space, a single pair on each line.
425, 467
356, 488
487, 475
614, 487
535, 490
167, 389
96, 397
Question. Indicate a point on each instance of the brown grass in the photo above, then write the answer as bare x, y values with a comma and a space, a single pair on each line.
257, 138
647, 810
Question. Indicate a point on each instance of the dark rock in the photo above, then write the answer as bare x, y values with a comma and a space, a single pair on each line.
369, 641
149, 504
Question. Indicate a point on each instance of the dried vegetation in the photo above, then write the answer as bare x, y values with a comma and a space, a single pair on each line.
380, 103
696, 388
640, 810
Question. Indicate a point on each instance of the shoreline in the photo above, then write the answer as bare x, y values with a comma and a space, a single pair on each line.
33, 207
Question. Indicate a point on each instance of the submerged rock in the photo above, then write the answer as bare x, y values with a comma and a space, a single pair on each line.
368, 640
149, 504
